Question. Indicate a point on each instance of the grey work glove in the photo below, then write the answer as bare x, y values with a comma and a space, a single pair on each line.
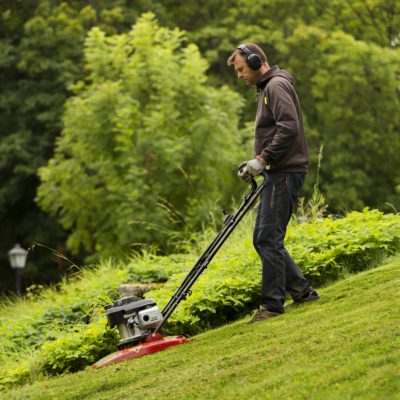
255, 167
243, 173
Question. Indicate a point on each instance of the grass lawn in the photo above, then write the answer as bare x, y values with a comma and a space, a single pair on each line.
345, 346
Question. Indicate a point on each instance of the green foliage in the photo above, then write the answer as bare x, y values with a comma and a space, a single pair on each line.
355, 115
329, 248
151, 268
57, 320
142, 143
316, 207
345, 60
75, 350
41, 43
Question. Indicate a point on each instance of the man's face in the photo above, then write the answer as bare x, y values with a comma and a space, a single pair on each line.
244, 72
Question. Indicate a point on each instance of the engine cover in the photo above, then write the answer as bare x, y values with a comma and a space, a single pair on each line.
135, 318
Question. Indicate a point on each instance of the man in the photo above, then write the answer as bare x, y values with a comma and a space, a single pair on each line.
280, 146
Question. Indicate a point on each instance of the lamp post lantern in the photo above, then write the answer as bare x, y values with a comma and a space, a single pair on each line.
17, 257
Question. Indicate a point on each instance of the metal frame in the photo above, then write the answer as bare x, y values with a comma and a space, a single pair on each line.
230, 224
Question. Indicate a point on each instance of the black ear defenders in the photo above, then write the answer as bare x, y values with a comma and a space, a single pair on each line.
253, 60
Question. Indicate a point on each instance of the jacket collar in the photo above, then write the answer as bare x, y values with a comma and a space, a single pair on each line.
266, 77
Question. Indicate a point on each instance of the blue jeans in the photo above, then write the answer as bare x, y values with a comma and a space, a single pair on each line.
280, 273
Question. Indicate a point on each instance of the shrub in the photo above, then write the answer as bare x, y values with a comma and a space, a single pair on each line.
150, 268
326, 249
75, 350
61, 316
137, 160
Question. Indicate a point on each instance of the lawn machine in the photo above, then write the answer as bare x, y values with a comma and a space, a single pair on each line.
139, 320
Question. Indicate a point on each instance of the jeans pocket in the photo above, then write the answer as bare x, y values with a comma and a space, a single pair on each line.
294, 183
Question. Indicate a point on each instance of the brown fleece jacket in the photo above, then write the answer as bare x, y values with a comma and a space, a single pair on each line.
279, 132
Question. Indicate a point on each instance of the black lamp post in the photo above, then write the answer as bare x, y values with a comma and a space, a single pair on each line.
17, 257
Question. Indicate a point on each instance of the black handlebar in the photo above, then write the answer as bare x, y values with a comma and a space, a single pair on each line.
230, 223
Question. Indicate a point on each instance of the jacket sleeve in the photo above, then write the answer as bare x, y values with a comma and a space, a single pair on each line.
281, 101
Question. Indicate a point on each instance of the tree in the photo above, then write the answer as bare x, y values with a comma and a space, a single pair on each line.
147, 146
41, 44
342, 54
350, 92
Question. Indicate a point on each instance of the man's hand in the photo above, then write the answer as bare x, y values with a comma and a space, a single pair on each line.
243, 173
256, 167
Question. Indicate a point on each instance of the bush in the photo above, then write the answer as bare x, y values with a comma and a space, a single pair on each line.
327, 249
47, 327
144, 136
151, 268
76, 349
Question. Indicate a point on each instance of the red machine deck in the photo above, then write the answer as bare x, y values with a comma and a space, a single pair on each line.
154, 342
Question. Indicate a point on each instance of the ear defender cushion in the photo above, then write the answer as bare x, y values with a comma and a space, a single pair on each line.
253, 60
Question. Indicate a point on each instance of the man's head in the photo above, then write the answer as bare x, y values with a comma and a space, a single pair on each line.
250, 63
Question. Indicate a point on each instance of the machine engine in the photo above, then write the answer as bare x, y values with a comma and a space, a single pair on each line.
135, 319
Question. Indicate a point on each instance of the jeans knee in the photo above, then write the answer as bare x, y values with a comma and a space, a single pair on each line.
263, 240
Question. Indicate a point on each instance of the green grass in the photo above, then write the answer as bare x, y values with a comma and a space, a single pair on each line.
345, 346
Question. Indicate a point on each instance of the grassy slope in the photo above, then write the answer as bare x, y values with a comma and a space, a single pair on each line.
345, 346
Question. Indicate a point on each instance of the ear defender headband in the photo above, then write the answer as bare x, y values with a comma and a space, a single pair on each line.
253, 60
